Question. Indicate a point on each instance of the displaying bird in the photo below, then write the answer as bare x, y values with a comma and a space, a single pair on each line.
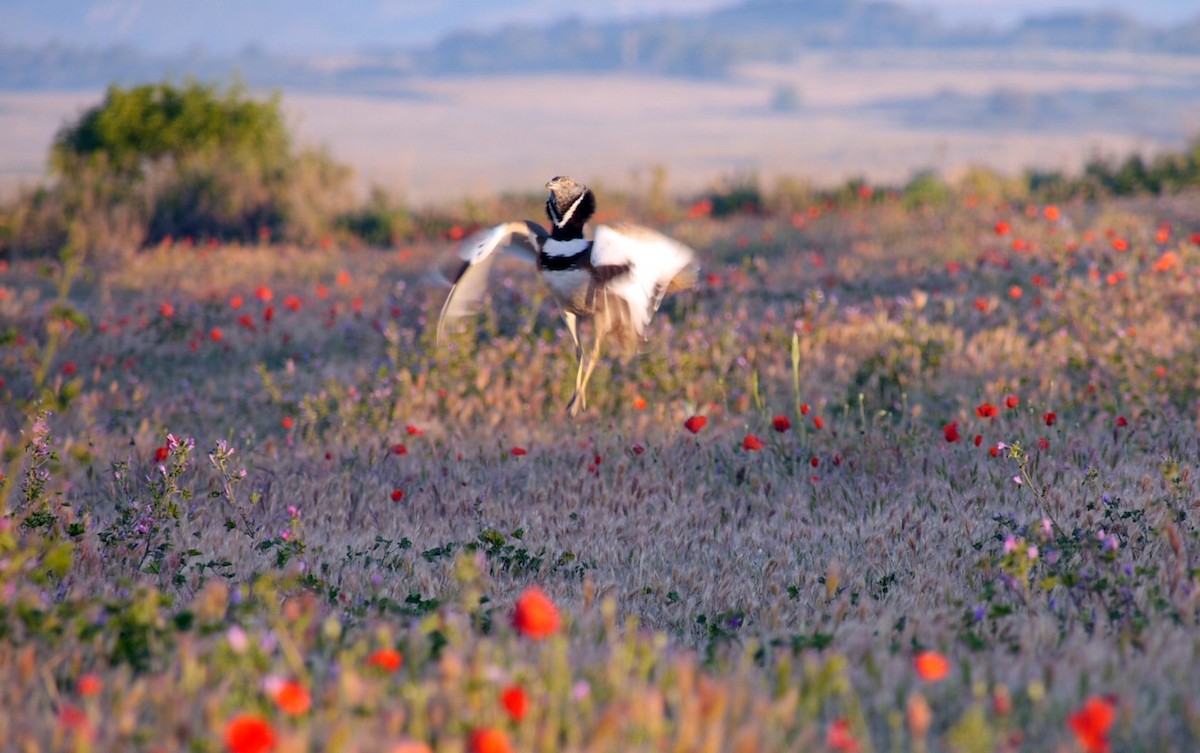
616, 280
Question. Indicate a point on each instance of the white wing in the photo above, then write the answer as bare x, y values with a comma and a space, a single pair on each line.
656, 265
521, 239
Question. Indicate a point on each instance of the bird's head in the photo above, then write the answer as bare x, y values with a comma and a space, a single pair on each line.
571, 204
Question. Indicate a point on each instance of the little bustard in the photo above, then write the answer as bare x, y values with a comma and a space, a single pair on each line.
616, 280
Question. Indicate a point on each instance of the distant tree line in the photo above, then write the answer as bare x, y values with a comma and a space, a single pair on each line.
1167, 172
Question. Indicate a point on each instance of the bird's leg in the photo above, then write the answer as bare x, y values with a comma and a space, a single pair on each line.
597, 338
573, 327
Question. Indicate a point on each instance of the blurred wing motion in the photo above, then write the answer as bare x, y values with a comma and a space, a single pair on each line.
642, 267
521, 239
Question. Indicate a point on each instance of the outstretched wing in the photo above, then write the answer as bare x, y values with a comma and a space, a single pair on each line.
521, 239
642, 266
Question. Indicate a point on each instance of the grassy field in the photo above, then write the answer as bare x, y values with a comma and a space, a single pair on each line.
265, 512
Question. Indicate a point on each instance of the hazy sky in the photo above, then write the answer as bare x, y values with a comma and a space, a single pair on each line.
1009, 11
166, 26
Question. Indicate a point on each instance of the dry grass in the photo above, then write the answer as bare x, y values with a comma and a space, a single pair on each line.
804, 576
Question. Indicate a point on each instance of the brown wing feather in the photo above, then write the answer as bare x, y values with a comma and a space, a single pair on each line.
522, 239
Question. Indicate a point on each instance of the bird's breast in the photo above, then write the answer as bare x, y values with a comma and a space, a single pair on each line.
570, 287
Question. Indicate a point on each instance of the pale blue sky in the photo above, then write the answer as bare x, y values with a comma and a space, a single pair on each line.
165, 26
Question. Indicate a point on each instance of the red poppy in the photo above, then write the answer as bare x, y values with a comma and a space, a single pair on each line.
1011, 402
1091, 724
73, 717
519, 451
535, 616
950, 432
397, 495
978, 440
166, 311
1051, 213
1195, 239
515, 702
69, 368
1122, 421
88, 684
1120, 244
838, 737
1015, 292
987, 410
781, 424
387, 659
804, 409
287, 422
292, 698
639, 403
994, 450
292, 303
752, 443
268, 314
814, 462
215, 334
931, 666
413, 431
818, 423
489, 740
701, 208
343, 278
235, 302
1166, 261
263, 293
399, 449
1050, 417
161, 454
1002, 228
695, 424
1043, 443
249, 733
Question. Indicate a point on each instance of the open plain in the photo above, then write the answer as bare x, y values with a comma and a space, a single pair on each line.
830, 116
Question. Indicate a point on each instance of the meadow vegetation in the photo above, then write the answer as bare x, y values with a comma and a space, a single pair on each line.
912, 469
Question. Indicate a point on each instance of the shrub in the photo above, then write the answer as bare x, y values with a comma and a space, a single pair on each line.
381, 222
159, 160
739, 195
925, 190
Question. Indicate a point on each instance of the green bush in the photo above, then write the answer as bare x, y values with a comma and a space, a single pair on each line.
926, 189
740, 195
159, 161
381, 222
135, 131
